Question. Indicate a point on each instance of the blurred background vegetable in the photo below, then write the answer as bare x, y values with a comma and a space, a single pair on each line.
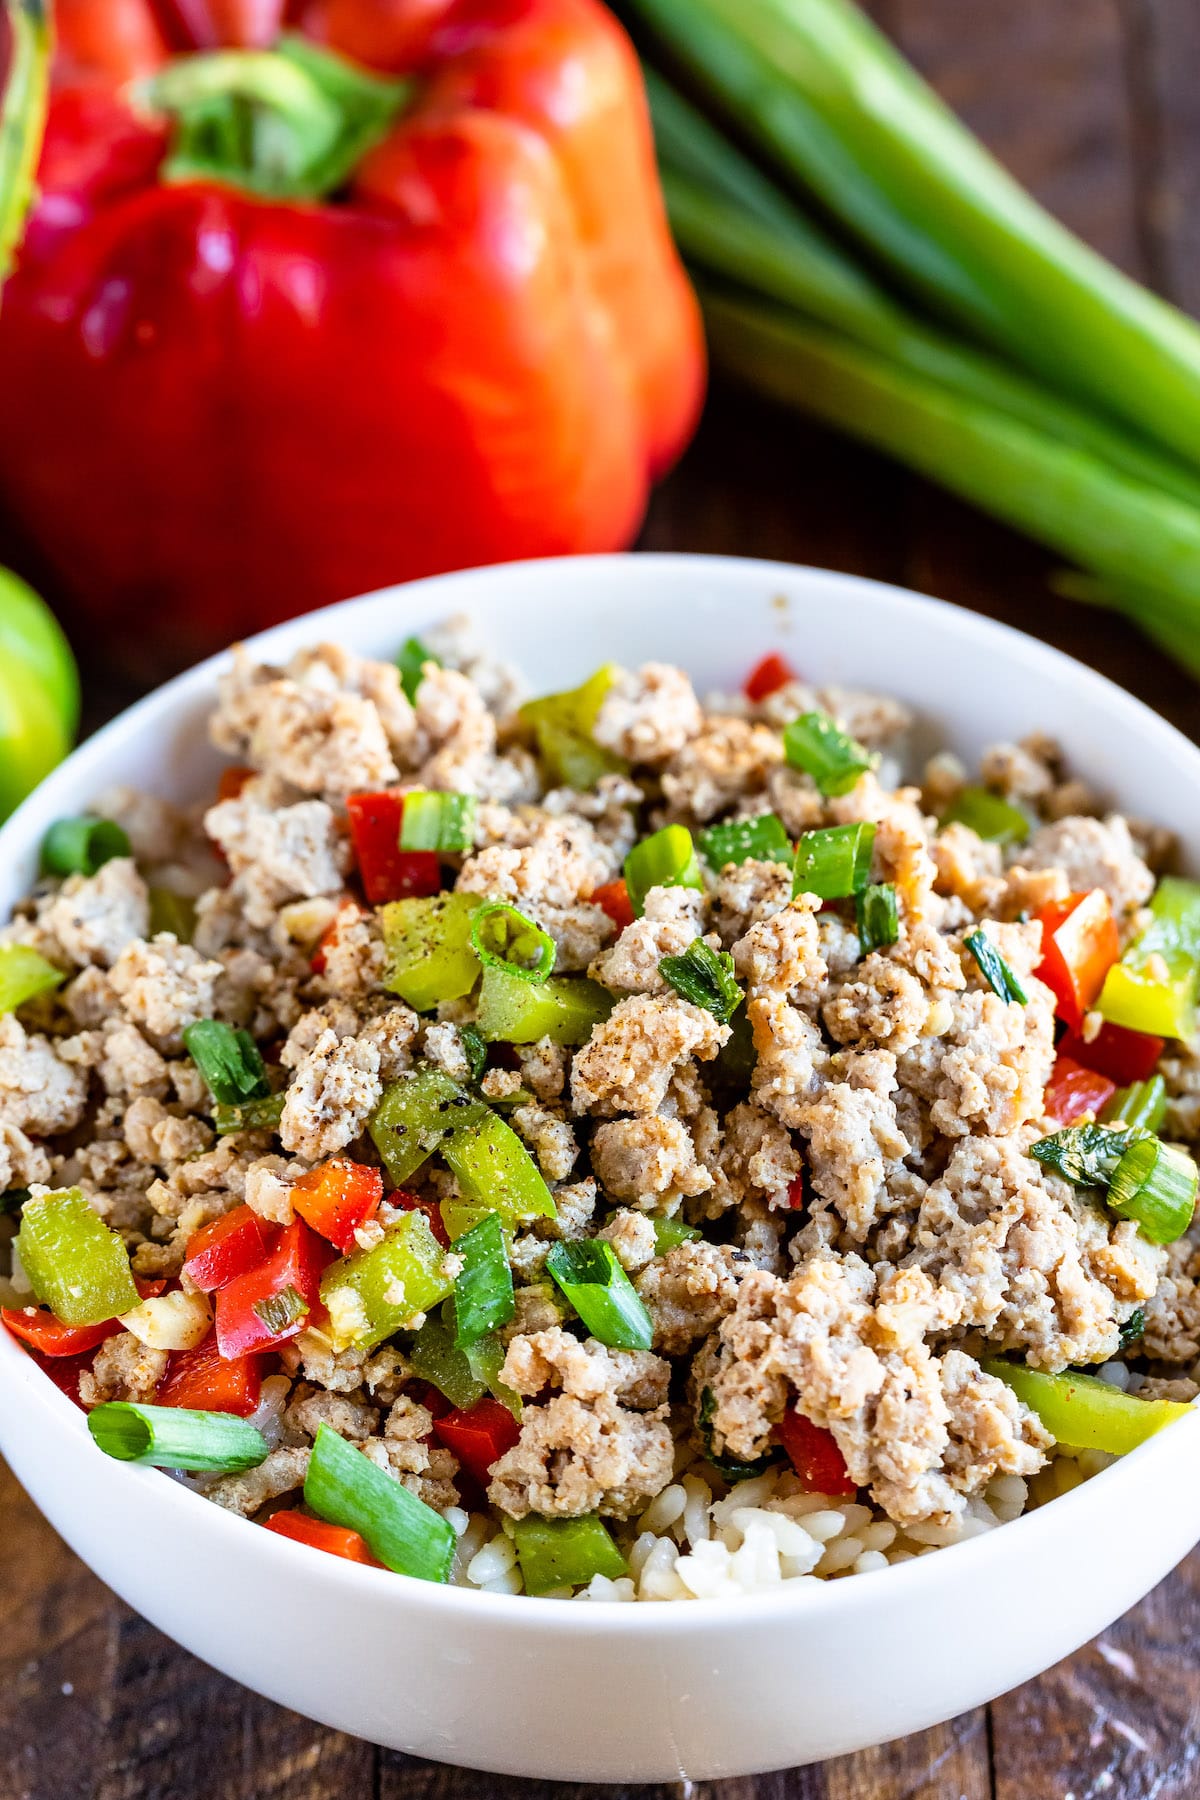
890, 278
287, 326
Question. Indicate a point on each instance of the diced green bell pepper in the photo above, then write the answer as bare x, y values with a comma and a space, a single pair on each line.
1084, 1412
76, 1265
23, 975
415, 1115
555, 1553
563, 725
376, 1292
496, 1174
1139, 996
668, 1233
436, 1358
565, 1008
428, 943
1143, 1103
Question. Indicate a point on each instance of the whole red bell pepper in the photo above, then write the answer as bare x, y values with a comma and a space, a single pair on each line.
257, 355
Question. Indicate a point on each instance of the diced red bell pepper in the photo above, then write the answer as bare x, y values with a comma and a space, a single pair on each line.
36, 1326
206, 1381
768, 676
335, 1539
1079, 946
226, 1248
814, 1455
231, 781
479, 1437
796, 1192
1124, 1056
387, 871
273, 1302
337, 1197
613, 898
1073, 1091
64, 1371
419, 1203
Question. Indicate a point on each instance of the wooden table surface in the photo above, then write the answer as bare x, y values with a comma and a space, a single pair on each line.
1096, 106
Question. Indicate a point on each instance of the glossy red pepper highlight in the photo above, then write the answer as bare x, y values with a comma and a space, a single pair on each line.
205, 1381
336, 1540
814, 1455
387, 871
337, 1198
225, 1248
479, 1437
1073, 1091
1079, 945
273, 1302
40, 1329
613, 898
768, 676
1124, 1056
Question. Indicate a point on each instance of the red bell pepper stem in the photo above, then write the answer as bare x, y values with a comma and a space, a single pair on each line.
1072, 1091
39, 1328
814, 1455
275, 1301
225, 1248
1079, 945
208, 1382
419, 1203
479, 1437
768, 676
335, 1539
387, 871
613, 898
337, 1198
1124, 1056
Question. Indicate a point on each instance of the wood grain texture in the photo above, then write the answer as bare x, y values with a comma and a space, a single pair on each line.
1096, 106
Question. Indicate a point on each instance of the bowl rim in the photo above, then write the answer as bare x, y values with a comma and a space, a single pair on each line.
189, 1511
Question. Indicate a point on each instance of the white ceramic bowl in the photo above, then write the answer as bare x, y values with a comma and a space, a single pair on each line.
603, 1692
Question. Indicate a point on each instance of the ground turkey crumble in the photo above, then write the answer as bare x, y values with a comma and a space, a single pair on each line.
825, 1204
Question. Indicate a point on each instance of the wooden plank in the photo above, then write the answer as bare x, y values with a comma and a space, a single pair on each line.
1164, 56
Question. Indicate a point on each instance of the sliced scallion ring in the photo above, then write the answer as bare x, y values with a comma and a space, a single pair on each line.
505, 939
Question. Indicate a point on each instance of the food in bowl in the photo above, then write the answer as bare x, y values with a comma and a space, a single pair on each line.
614, 1145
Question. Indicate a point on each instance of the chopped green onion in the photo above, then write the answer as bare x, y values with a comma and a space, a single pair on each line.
76, 1264
485, 1358
836, 862
1155, 1185
817, 744
763, 839
666, 859
1086, 1154
503, 938
415, 1114
732, 1470
82, 846
1133, 1328
172, 912
376, 1292
174, 1437
483, 1292
988, 815
432, 821
1143, 1103
279, 1311
1085, 1412
344, 1488
1135, 994
876, 916
994, 969
668, 1233
436, 1358
601, 1292
563, 725
474, 1048
229, 1061
23, 975
564, 1008
705, 977
262, 1113
558, 1553
411, 663
496, 1174
428, 944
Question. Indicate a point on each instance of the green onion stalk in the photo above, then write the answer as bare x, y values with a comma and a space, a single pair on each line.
22, 118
